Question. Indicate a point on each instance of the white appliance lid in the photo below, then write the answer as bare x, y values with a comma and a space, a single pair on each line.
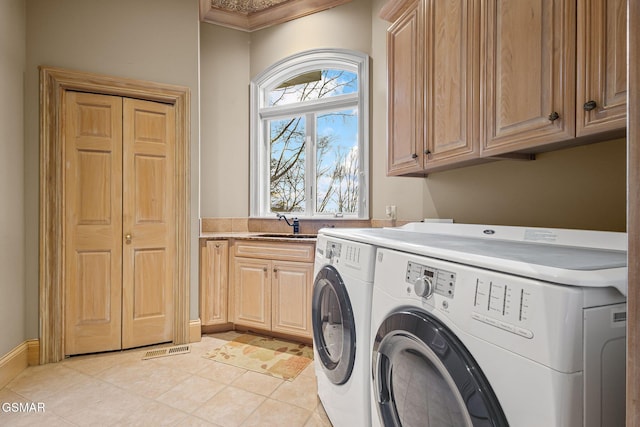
570, 257
557, 256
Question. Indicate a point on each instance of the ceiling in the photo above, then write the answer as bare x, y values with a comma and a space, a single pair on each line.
251, 15
246, 6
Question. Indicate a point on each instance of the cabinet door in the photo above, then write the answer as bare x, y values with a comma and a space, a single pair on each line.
405, 47
453, 82
148, 221
93, 223
602, 66
252, 292
214, 282
291, 305
529, 79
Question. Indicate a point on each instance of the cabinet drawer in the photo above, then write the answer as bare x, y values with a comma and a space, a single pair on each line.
275, 251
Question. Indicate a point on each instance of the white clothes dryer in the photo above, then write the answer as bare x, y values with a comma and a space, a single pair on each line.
498, 326
341, 317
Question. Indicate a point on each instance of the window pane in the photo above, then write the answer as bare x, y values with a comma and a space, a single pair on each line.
337, 162
287, 163
308, 110
314, 85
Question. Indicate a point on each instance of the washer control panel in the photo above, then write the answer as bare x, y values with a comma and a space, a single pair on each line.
502, 305
428, 280
333, 249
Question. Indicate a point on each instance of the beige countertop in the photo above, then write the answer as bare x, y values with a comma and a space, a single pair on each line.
257, 235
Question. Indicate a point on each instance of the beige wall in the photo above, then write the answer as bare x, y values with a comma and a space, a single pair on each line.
407, 194
224, 134
581, 187
225, 190
12, 65
141, 39
347, 26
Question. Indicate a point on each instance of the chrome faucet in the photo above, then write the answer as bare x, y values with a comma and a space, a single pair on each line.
295, 225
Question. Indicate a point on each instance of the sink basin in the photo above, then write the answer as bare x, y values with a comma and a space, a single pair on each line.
288, 235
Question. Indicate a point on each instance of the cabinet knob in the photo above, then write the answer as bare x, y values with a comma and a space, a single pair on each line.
264, 269
589, 105
554, 116
414, 156
427, 152
127, 238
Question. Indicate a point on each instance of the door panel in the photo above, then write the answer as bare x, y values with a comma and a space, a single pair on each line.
405, 47
529, 74
602, 66
94, 179
214, 278
94, 287
291, 298
150, 189
149, 301
452, 82
252, 287
93, 222
148, 227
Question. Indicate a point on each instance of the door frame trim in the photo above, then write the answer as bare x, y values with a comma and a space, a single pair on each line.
53, 82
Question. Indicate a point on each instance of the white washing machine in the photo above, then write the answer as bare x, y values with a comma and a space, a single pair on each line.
341, 316
498, 326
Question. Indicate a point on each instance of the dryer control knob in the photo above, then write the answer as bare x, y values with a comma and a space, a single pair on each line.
423, 287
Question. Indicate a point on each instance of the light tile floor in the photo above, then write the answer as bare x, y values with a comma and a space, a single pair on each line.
121, 389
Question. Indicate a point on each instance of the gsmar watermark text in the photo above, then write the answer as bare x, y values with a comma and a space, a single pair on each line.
25, 407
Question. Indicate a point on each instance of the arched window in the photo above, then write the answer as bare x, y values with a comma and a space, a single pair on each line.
310, 136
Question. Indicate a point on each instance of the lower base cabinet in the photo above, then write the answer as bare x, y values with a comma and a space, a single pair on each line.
252, 292
273, 295
214, 282
291, 288
271, 286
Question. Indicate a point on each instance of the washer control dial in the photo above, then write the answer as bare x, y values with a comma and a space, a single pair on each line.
427, 280
423, 287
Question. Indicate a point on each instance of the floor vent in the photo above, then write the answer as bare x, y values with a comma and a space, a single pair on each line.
168, 351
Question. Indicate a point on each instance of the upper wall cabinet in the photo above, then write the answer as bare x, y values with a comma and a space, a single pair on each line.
529, 69
602, 66
433, 76
405, 43
517, 76
453, 83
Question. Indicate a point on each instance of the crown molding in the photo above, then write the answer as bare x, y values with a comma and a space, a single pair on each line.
393, 9
269, 12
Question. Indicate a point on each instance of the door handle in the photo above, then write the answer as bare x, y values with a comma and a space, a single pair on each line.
127, 238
